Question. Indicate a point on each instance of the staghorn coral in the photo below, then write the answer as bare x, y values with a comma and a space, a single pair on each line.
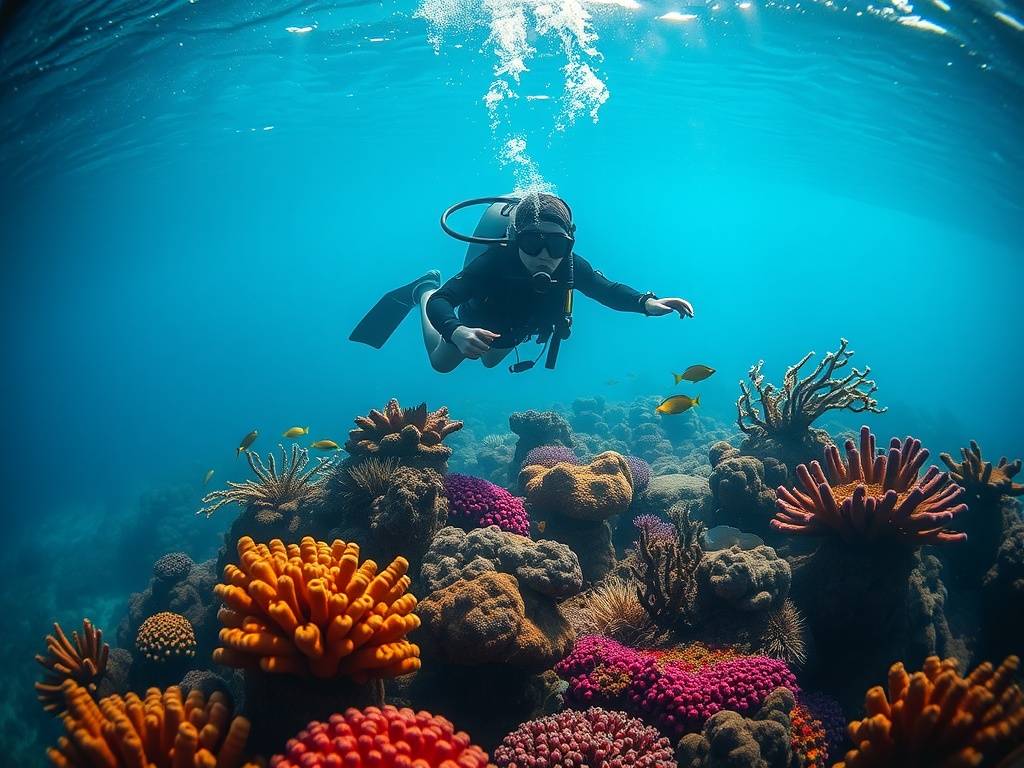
665, 568
379, 737
937, 719
166, 636
983, 483
83, 659
747, 580
312, 609
403, 433
788, 413
612, 609
591, 492
477, 503
487, 619
545, 567
162, 731
730, 740
871, 497
276, 492
595, 737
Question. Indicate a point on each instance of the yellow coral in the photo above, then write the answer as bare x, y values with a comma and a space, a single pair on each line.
166, 635
161, 731
937, 719
312, 609
593, 491
84, 661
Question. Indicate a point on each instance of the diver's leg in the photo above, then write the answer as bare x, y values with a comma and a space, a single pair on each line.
444, 356
494, 356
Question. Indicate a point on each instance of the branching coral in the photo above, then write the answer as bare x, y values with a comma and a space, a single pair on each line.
937, 719
284, 491
165, 636
983, 482
161, 731
404, 433
869, 497
665, 567
789, 412
312, 609
83, 659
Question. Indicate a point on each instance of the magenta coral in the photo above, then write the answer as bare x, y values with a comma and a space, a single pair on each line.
381, 737
549, 455
674, 699
595, 737
477, 503
872, 497
655, 527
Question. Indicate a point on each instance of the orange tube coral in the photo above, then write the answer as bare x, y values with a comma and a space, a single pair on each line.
937, 719
84, 661
312, 609
161, 731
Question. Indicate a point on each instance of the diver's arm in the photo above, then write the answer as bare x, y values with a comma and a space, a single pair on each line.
598, 287
454, 293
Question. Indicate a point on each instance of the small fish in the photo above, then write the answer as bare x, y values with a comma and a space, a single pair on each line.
325, 445
207, 476
611, 382
677, 404
246, 442
295, 432
541, 525
694, 373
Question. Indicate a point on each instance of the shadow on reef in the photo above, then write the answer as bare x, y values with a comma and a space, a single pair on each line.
656, 596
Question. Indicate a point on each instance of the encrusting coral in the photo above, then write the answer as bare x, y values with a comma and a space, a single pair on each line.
161, 731
381, 737
312, 609
165, 636
937, 719
83, 659
403, 433
868, 497
276, 492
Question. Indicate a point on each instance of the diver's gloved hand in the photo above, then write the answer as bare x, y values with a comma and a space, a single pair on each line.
655, 307
473, 342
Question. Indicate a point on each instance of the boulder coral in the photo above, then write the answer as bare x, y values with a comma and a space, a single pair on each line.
746, 580
410, 511
591, 492
407, 434
312, 609
82, 658
477, 503
166, 636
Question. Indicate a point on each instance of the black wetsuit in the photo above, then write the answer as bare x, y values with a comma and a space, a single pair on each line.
495, 292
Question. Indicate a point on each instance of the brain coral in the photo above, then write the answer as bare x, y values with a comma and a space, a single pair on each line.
166, 635
593, 491
381, 738
749, 580
477, 503
595, 737
546, 567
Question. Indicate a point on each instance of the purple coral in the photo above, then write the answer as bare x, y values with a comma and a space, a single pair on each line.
640, 471
595, 737
549, 455
667, 695
476, 503
827, 711
655, 527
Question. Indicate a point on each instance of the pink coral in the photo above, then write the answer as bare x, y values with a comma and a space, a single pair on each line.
595, 737
670, 696
477, 503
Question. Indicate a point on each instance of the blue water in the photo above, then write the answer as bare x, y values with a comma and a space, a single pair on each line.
199, 205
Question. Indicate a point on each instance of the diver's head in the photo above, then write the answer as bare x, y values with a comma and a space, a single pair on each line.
542, 229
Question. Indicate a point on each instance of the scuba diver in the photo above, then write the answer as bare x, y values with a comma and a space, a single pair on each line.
517, 282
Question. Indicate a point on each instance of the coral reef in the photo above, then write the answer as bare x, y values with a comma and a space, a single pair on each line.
312, 609
161, 730
613, 609
665, 491
1003, 595
536, 428
743, 488
595, 737
984, 484
83, 659
381, 736
730, 740
409, 513
869, 497
487, 619
640, 472
826, 711
746, 580
669, 695
592, 492
477, 503
172, 567
808, 738
935, 717
545, 567
411, 435
166, 636
549, 455
665, 568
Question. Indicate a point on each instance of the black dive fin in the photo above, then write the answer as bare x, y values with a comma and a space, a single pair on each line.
387, 314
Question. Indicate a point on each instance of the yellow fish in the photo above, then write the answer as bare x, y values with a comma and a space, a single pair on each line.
677, 404
207, 476
295, 432
694, 373
325, 445
541, 526
246, 442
